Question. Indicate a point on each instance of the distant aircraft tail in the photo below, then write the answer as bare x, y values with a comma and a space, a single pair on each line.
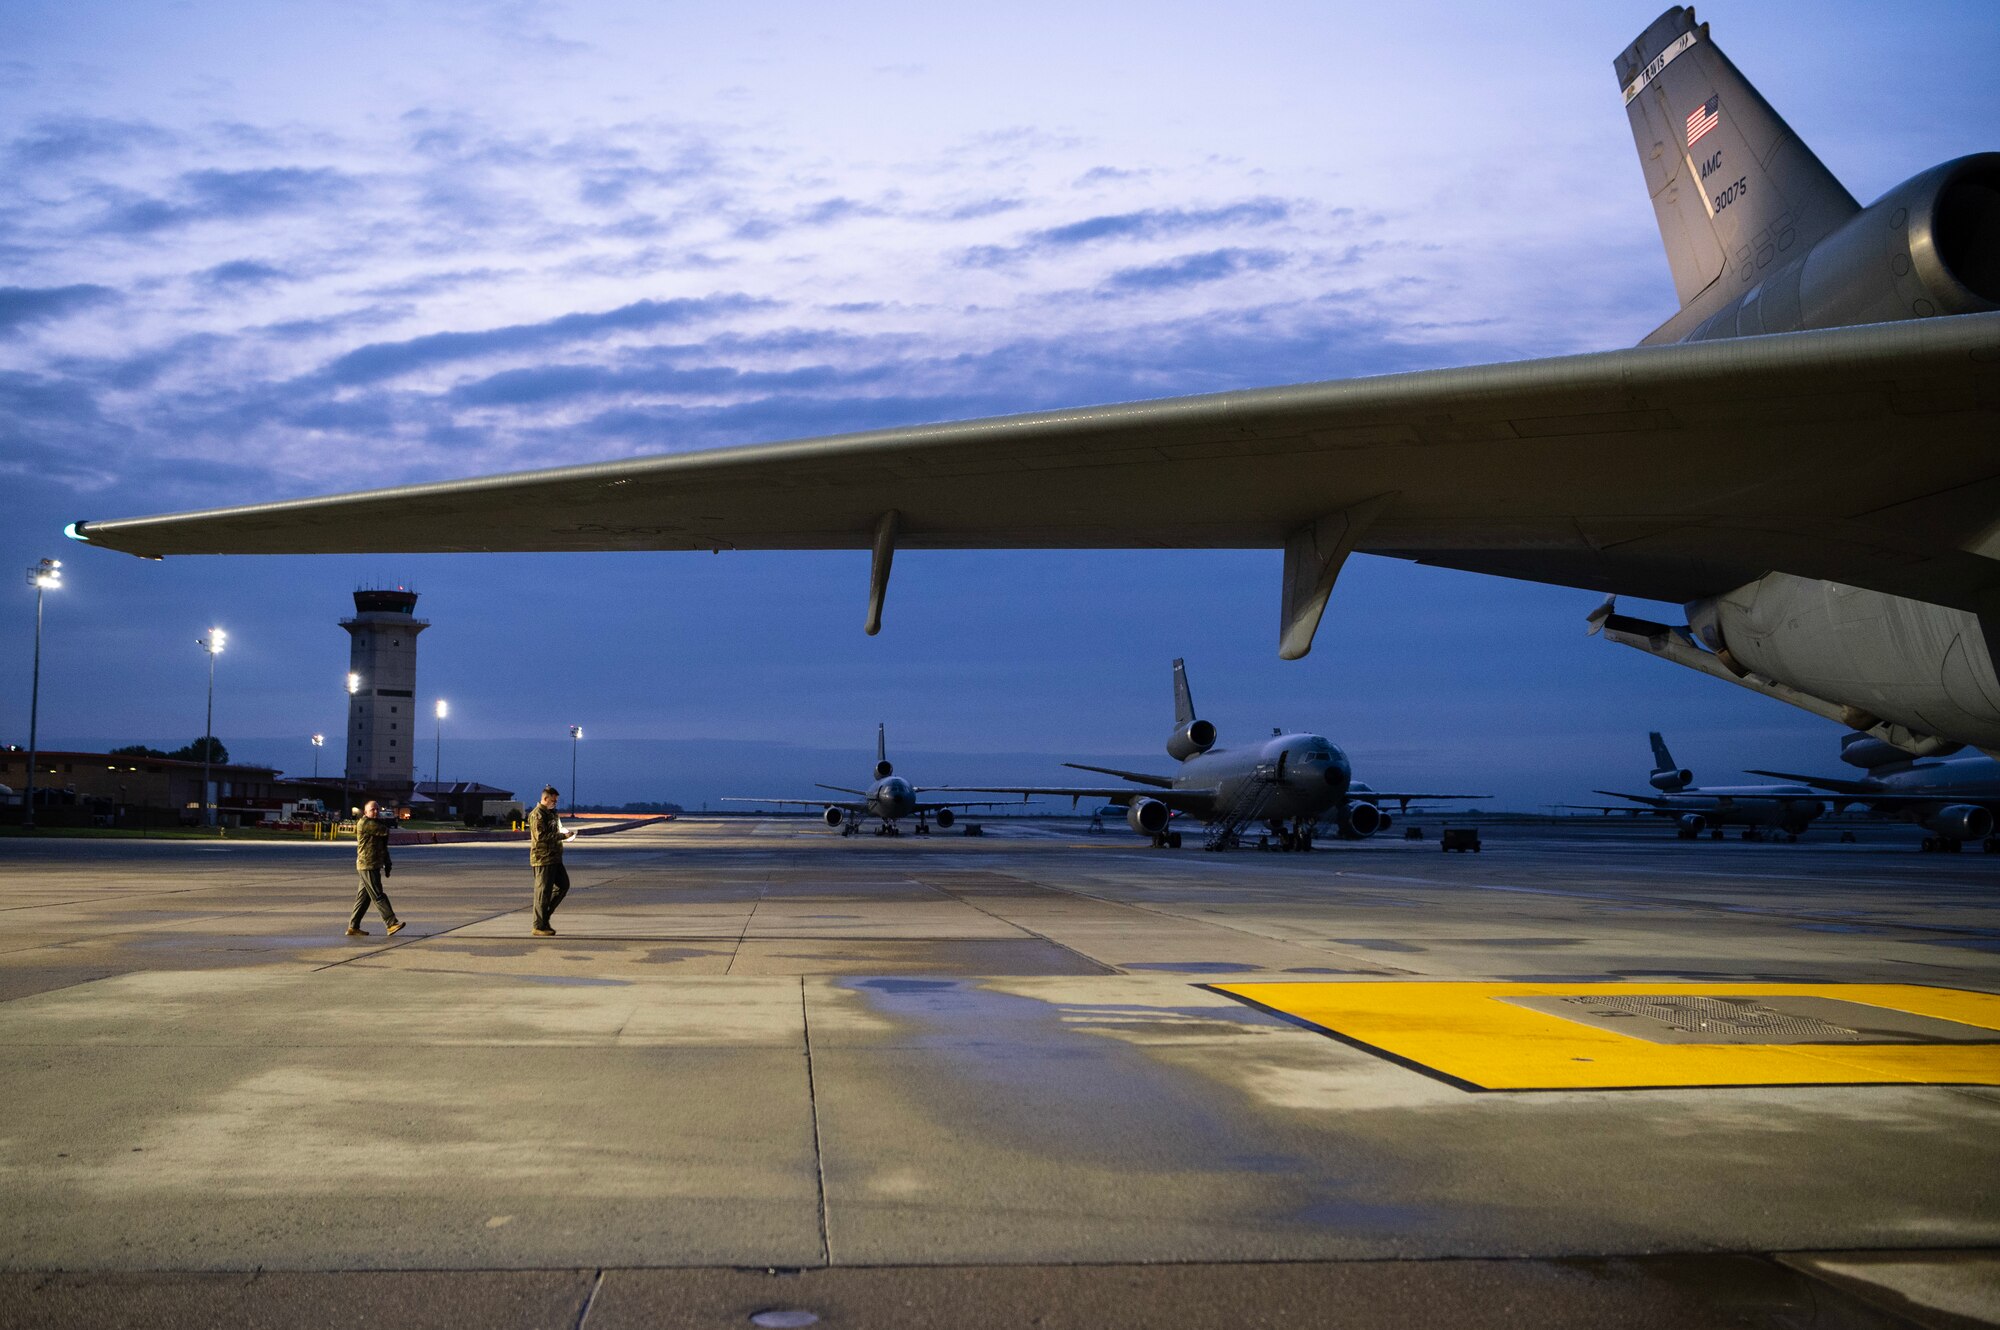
1733, 188
882, 768
1666, 775
1183, 699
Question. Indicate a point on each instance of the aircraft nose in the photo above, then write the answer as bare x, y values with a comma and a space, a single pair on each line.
1338, 774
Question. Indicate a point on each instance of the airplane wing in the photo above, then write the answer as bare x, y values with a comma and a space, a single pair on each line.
801, 803
1137, 777
840, 789
1382, 796
1860, 455
1181, 801
1831, 783
1877, 797
979, 803
1648, 800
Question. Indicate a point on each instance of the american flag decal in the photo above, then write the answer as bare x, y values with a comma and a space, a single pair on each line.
1704, 118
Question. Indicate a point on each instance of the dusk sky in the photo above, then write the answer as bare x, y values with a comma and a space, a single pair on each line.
251, 251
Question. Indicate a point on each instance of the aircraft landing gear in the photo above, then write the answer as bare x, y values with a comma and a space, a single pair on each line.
1942, 845
923, 827
1715, 834
1298, 836
848, 828
1752, 833
888, 829
1167, 840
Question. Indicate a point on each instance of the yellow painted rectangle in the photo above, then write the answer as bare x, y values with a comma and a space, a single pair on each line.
1465, 1032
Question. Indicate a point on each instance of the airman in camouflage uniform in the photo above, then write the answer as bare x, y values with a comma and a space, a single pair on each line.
545, 842
371, 861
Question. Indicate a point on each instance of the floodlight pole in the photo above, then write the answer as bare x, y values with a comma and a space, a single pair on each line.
346, 781
212, 644
437, 754
41, 576
575, 733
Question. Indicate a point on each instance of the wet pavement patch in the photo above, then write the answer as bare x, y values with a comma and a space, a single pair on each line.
1522, 942
1969, 943
1190, 967
1605, 1036
1011, 957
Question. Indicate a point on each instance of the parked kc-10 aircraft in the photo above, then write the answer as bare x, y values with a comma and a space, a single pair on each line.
890, 798
1953, 798
1802, 455
1290, 782
1698, 808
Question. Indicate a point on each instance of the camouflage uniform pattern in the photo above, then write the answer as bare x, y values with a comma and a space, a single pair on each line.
545, 842
545, 836
371, 859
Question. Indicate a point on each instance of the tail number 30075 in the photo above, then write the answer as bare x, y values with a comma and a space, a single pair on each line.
1733, 193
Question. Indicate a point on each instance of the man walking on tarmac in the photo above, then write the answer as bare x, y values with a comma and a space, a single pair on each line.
545, 842
371, 861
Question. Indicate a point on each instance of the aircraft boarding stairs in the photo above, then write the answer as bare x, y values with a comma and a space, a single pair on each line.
1252, 798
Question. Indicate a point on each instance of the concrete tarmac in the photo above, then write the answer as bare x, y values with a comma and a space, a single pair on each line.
938, 1079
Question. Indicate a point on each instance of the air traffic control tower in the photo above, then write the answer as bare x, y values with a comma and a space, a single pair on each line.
382, 684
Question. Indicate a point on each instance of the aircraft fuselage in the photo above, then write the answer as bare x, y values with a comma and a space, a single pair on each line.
891, 798
1308, 772
1747, 806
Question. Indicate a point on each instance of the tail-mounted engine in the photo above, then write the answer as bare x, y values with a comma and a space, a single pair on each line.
884, 769
1672, 782
1197, 736
1929, 246
1148, 817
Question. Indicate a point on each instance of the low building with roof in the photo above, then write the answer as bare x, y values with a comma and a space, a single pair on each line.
136, 790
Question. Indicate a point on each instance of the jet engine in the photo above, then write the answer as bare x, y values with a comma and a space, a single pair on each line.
834, 816
1692, 825
1923, 668
1359, 821
945, 817
1672, 781
1929, 246
1148, 817
1868, 752
1960, 822
884, 769
1197, 736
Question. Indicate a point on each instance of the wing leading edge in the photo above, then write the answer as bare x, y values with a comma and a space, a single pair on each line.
1667, 472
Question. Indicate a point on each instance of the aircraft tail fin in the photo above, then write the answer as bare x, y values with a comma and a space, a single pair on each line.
1183, 699
881, 742
1735, 191
1666, 776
